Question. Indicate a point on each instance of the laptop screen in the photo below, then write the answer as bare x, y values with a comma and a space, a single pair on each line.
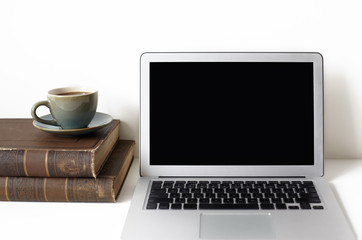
231, 113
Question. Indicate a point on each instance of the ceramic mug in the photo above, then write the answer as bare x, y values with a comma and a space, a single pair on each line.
70, 107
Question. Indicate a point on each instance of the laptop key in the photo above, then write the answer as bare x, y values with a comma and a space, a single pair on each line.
233, 195
276, 200
318, 207
249, 182
160, 200
180, 182
292, 195
222, 195
228, 200
264, 200
210, 195
215, 182
192, 200
164, 206
284, 182
185, 190
288, 200
158, 190
300, 190
254, 190
176, 206
186, 195
309, 195
266, 206
240, 201
309, 183
169, 182
207, 190
265, 190
151, 206
216, 200
190, 206
198, 195
252, 201
158, 195
219, 190
228, 206
305, 206
156, 185
257, 195
180, 200
311, 190
175, 195
204, 182
308, 200
239, 182
280, 206
167, 185
204, 200
314, 200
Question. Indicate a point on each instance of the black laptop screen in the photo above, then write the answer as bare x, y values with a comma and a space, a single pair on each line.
231, 113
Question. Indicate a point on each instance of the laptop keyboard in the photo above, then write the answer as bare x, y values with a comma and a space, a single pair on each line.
230, 195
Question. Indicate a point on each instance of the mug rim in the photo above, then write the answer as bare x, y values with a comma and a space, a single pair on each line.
56, 91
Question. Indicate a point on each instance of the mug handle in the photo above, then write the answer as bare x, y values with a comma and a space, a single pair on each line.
35, 117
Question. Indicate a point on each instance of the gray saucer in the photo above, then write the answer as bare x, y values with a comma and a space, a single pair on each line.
99, 121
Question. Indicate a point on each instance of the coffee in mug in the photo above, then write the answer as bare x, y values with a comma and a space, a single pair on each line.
73, 93
70, 107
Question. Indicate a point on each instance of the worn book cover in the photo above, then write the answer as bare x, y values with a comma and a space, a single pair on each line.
27, 151
105, 188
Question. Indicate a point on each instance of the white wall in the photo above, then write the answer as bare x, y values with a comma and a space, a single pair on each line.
46, 44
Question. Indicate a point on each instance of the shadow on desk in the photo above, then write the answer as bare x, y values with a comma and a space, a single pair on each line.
343, 176
336, 168
340, 202
129, 184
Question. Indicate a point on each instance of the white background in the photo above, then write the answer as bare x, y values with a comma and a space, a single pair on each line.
48, 44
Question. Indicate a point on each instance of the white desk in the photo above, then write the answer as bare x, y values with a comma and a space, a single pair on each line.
98, 221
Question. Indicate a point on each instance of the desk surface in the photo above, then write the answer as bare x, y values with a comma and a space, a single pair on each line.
26, 220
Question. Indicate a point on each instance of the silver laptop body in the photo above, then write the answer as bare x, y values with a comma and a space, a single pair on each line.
249, 121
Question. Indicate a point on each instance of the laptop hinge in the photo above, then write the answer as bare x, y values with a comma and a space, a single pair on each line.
232, 177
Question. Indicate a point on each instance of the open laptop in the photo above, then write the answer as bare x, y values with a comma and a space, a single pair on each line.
231, 147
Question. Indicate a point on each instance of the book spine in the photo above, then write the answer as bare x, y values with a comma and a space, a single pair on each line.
45, 163
56, 189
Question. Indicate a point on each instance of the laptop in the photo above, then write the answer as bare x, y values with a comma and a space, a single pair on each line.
231, 147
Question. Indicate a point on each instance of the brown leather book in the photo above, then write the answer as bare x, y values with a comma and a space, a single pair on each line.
27, 151
105, 188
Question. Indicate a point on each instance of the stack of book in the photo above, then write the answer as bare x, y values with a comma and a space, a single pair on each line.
39, 166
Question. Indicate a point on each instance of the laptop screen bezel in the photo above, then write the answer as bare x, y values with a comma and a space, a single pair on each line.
316, 170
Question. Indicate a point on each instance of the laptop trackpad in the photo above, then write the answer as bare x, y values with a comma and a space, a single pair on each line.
236, 226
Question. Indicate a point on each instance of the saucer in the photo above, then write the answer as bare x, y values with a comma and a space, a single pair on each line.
99, 121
